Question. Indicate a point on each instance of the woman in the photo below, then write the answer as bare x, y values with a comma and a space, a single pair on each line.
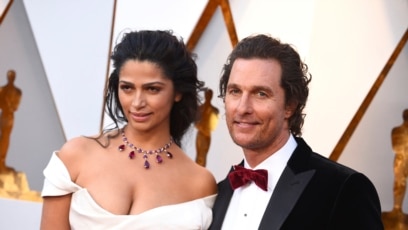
135, 176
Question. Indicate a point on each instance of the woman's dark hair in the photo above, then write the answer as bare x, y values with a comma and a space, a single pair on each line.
178, 64
295, 77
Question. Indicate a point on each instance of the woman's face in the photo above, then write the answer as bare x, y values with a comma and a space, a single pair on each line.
146, 96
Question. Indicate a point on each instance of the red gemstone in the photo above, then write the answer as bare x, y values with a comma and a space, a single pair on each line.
159, 159
132, 154
169, 155
146, 165
121, 148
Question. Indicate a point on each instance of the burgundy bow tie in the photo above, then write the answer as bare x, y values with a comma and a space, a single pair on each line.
241, 176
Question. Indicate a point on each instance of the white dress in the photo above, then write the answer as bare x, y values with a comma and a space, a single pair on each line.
85, 213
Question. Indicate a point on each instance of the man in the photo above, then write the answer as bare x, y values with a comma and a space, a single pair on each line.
264, 85
10, 97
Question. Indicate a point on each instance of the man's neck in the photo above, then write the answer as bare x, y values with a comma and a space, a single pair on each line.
256, 156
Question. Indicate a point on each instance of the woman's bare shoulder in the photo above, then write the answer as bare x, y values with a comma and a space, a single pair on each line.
205, 180
74, 154
77, 146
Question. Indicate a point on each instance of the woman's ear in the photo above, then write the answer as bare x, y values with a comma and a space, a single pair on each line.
178, 97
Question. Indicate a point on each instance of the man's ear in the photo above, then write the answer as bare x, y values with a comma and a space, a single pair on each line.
178, 97
290, 109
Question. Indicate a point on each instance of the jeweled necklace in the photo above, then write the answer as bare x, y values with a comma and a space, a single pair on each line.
157, 152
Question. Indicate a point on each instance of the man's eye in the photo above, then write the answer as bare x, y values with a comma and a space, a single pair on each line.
233, 91
262, 94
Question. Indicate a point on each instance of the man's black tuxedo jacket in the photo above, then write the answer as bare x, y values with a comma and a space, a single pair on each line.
313, 193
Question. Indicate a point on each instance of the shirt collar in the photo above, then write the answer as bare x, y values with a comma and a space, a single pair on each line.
276, 163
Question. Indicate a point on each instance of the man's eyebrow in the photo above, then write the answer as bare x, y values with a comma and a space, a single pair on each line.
255, 88
262, 88
232, 85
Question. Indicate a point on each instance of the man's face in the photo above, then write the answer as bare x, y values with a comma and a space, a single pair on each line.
256, 114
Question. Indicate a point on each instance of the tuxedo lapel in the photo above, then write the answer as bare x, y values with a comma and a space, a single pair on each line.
290, 186
221, 204
284, 197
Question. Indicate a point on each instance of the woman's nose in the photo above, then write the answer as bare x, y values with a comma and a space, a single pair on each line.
139, 100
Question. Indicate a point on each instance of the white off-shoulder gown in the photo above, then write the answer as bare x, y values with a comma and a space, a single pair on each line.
85, 213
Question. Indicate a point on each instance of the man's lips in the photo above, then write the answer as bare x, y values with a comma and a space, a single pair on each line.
245, 123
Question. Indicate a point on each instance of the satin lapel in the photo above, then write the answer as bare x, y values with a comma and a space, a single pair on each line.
284, 197
221, 204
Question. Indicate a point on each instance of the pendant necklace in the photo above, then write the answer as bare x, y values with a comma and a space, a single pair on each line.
135, 149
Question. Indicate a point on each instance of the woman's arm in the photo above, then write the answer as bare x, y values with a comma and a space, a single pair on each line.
55, 212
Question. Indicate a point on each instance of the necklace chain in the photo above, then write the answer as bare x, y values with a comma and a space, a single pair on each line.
145, 153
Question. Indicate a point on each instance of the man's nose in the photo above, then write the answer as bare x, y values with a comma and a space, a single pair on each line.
244, 104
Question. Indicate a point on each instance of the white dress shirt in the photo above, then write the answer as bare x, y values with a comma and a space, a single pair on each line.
248, 203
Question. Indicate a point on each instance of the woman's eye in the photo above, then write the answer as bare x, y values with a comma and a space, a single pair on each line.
153, 89
125, 87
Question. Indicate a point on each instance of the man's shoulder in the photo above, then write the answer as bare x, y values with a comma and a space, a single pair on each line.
313, 160
330, 168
